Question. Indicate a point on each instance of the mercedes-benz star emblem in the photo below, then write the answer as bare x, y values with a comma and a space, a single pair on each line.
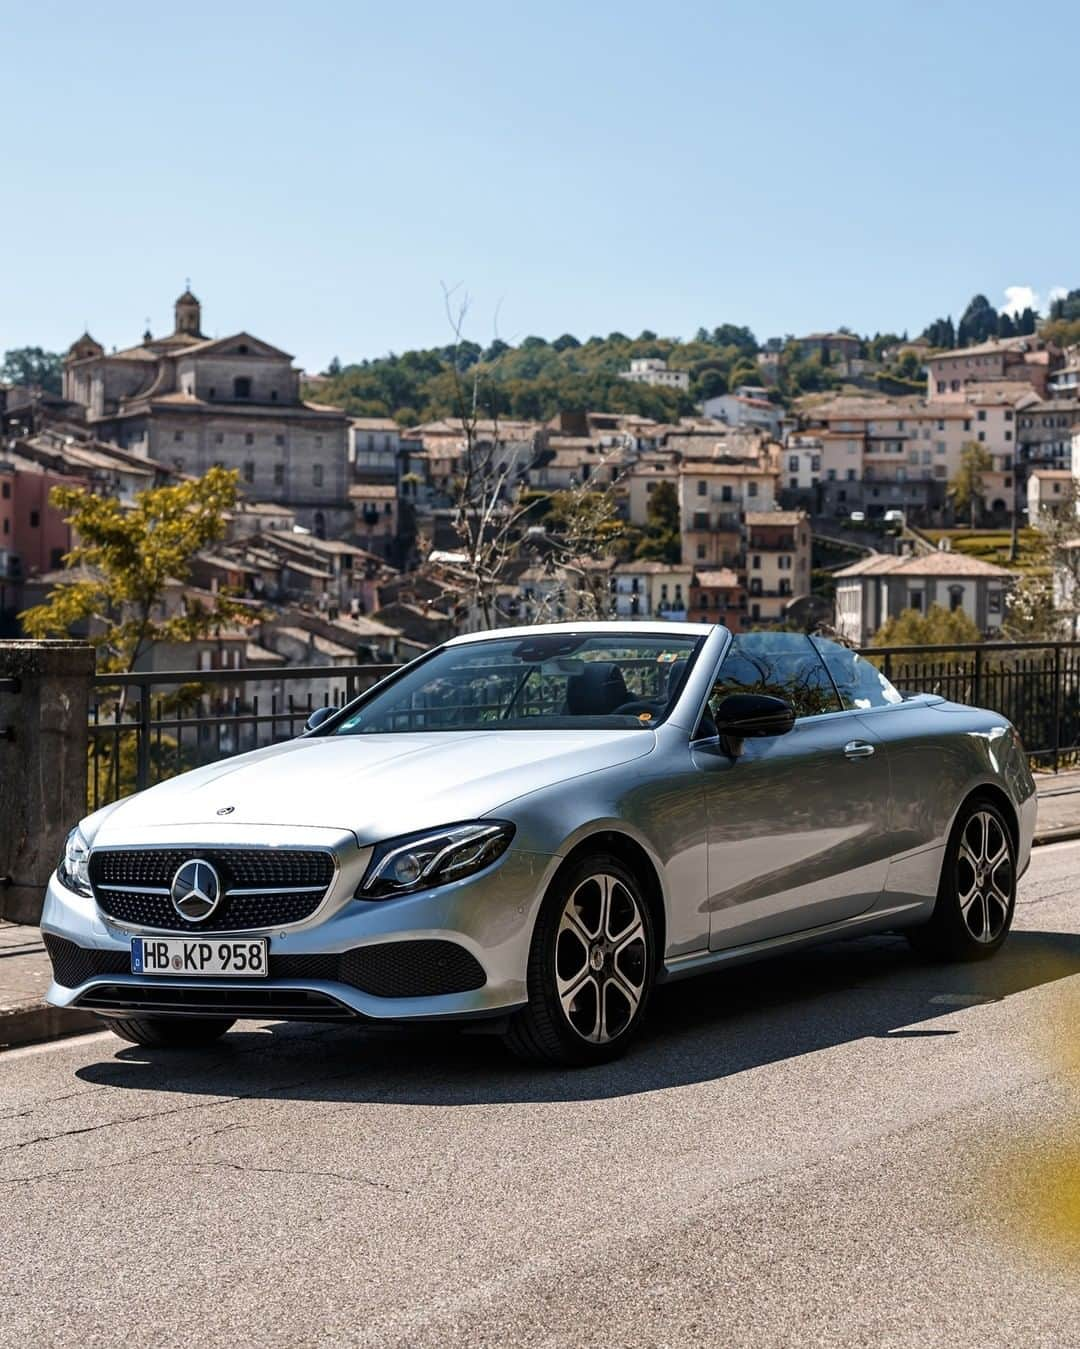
195, 890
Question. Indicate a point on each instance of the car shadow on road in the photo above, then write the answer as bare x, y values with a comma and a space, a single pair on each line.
704, 1029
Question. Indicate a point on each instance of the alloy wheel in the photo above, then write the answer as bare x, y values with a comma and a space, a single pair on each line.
984, 876
601, 958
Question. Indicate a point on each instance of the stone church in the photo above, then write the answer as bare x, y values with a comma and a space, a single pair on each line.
190, 401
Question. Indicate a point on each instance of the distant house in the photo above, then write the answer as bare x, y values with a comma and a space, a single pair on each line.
882, 586
1049, 492
1024, 359
745, 409
653, 370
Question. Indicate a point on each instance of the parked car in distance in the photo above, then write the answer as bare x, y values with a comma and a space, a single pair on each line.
857, 517
894, 517
534, 827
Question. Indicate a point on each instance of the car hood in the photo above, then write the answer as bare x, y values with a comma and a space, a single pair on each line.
376, 786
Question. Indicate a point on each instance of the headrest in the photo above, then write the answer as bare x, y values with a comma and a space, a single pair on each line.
598, 690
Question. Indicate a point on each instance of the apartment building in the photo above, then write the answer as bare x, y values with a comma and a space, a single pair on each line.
651, 589
777, 562
718, 597
712, 500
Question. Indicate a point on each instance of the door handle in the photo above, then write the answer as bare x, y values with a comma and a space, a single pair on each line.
858, 749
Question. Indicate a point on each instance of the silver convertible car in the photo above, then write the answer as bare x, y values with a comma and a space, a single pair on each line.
538, 825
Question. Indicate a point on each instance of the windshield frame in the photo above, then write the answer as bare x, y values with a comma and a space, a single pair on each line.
330, 726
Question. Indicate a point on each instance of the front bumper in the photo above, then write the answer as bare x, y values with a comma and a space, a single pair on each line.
489, 916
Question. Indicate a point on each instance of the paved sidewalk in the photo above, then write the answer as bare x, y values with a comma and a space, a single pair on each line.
24, 965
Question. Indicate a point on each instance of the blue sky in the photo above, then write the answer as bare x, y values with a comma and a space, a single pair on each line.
318, 170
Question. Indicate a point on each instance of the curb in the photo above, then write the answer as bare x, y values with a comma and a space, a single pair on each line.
1056, 836
31, 1025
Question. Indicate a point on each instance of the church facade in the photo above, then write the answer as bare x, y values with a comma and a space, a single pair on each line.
191, 402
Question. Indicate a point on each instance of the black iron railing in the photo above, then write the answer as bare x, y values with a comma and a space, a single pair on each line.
1035, 684
147, 727
150, 726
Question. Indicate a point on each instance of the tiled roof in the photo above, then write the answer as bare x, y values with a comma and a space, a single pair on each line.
941, 563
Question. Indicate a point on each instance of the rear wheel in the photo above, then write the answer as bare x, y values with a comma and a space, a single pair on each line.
591, 967
977, 892
170, 1032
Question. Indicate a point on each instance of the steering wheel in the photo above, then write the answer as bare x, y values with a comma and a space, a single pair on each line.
636, 706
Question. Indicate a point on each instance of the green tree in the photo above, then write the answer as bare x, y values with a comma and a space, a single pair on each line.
936, 627
967, 488
123, 561
33, 366
662, 541
978, 323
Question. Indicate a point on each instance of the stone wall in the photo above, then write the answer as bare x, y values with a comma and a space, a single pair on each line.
44, 696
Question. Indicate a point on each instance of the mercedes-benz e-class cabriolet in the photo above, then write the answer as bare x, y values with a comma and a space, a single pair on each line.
536, 826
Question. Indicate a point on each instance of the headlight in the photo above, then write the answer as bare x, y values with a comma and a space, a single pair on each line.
404, 865
73, 868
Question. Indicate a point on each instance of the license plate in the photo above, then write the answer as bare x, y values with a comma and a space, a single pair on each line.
229, 959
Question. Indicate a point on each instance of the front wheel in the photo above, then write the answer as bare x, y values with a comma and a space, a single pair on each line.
591, 967
170, 1032
977, 892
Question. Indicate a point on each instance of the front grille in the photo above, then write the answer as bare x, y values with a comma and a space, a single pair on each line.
302, 876
399, 969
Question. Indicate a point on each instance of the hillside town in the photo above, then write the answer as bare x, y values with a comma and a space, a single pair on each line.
348, 539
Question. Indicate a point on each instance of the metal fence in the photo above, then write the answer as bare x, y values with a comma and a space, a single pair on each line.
147, 727
1035, 684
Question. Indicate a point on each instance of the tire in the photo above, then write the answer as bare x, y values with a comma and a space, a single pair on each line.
588, 990
977, 892
170, 1032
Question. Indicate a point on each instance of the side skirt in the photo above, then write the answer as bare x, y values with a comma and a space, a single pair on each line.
880, 920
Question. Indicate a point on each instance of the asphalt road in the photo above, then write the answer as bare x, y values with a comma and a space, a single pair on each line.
844, 1148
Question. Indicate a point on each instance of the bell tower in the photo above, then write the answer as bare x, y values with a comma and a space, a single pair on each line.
188, 314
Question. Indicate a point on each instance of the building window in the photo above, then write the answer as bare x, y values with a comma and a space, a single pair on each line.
219, 438
701, 552
279, 440
956, 598
6, 491
279, 475
702, 487
725, 492
751, 488
318, 442
249, 438
249, 470
241, 387
756, 563
915, 598
213, 394
993, 601
273, 395
980, 416
35, 519
178, 436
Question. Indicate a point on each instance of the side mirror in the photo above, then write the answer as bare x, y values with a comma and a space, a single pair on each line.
319, 716
753, 715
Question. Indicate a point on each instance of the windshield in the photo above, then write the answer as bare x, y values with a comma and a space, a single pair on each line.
552, 680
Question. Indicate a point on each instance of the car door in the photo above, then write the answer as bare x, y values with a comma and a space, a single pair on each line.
797, 824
